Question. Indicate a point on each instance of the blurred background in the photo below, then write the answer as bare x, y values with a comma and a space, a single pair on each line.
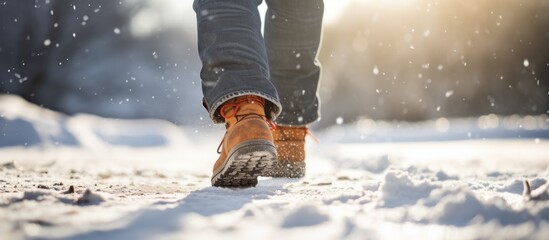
398, 60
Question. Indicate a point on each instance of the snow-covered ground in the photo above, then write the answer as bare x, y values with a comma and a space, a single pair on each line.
86, 177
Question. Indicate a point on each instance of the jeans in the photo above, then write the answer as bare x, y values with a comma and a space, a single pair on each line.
281, 67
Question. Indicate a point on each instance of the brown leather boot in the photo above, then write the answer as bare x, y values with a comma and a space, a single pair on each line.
247, 150
290, 145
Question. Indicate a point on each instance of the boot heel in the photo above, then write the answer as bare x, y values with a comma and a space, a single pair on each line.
245, 163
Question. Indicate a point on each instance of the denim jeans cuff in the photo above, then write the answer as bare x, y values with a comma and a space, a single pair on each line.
311, 115
272, 104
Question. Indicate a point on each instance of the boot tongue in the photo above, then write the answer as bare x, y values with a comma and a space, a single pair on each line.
248, 106
252, 107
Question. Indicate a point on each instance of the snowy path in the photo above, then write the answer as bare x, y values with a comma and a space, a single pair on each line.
420, 190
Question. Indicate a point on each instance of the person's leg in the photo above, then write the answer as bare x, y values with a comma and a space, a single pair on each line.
292, 38
233, 54
237, 90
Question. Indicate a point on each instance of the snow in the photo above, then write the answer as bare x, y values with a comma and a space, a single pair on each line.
304, 216
86, 177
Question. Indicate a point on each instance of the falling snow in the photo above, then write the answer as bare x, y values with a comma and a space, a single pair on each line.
375, 71
526, 63
339, 120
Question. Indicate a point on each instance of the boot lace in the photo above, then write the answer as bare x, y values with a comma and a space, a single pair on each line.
239, 117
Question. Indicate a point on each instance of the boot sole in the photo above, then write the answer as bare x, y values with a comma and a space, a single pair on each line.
287, 170
245, 162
